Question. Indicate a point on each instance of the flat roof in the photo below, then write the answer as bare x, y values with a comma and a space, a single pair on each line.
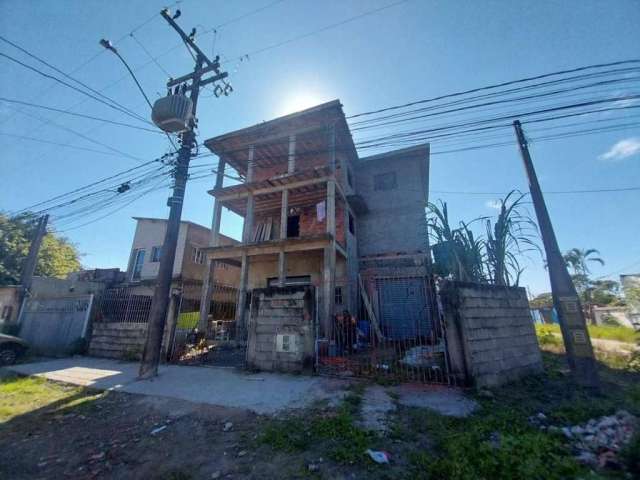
408, 152
270, 139
186, 222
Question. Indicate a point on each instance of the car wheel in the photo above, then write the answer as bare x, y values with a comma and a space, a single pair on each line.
8, 355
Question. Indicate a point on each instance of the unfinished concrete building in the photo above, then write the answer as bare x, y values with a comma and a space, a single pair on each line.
348, 232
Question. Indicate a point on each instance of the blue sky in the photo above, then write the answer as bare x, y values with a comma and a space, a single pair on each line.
413, 50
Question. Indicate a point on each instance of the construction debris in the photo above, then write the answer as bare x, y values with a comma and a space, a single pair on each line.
598, 442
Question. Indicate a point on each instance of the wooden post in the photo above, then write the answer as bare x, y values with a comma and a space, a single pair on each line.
208, 278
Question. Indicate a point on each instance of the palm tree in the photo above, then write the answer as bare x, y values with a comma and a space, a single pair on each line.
577, 260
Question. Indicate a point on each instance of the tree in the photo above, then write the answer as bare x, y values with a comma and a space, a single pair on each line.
544, 300
58, 256
577, 259
605, 292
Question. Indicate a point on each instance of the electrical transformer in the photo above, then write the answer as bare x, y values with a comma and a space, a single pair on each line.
172, 113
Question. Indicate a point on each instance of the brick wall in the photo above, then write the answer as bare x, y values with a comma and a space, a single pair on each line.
490, 334
281, 333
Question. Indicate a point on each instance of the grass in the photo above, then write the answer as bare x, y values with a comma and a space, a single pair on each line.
333, 432
19, 395
605, 332
498, 442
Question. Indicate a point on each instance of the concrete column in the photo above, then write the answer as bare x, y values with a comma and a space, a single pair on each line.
329, 266
292, 154
248, 219
242, 294
208, 278
282, 260
331, 208
170, 327
284, 214
282, 268
328, 289
332, 147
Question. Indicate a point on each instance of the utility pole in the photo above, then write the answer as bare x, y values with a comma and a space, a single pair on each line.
565, 298
158, 315
30, 263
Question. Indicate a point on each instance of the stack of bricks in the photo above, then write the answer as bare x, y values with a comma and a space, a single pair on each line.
490, 333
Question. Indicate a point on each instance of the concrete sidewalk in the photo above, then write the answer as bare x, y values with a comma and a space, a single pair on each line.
264, 393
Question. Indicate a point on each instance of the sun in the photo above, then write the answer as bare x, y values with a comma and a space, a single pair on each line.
299, 101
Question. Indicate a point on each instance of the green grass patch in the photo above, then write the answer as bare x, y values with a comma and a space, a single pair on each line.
605, 332
188, 320
20, 395
498, 442
334, 433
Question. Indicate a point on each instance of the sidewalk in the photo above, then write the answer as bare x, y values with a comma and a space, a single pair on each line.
264, 393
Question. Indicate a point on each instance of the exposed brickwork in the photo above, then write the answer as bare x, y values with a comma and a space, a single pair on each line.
490, 333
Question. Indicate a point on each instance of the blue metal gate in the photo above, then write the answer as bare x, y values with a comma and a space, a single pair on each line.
404, 309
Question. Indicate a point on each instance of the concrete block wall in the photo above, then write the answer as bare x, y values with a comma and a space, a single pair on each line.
396, 221
275, 313
118, 340
490, 334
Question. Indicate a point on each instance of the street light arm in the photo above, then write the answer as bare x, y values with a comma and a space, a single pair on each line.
109, 46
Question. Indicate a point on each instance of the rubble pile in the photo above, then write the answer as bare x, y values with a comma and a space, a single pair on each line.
597, 442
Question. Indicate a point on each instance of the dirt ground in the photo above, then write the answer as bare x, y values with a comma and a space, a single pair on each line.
57, 431
86, 434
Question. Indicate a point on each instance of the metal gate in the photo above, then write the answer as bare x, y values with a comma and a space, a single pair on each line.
56, 326
219, 345
396, 333
404, 313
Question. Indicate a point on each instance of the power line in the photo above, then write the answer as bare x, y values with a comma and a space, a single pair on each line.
83, 136
496, 85
68, 85
58, 144
53, 67
319, 30
81, 115
92, 184
546, 192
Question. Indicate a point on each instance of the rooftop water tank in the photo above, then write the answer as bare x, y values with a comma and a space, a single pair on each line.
172, 113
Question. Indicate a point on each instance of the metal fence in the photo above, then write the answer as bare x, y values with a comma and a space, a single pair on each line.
396, 333
217, 344
121, 305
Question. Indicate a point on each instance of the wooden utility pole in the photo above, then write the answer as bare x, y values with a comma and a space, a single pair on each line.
159, 305
565, 298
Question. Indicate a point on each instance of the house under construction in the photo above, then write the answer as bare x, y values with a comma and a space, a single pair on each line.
334, 254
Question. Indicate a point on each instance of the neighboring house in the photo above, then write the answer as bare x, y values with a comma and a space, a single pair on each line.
9, 305
629, 282
316, 213
190, 261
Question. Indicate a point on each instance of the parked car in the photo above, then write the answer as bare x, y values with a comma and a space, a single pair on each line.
11, 348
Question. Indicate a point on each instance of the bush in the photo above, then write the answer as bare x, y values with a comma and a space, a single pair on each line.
631, 455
